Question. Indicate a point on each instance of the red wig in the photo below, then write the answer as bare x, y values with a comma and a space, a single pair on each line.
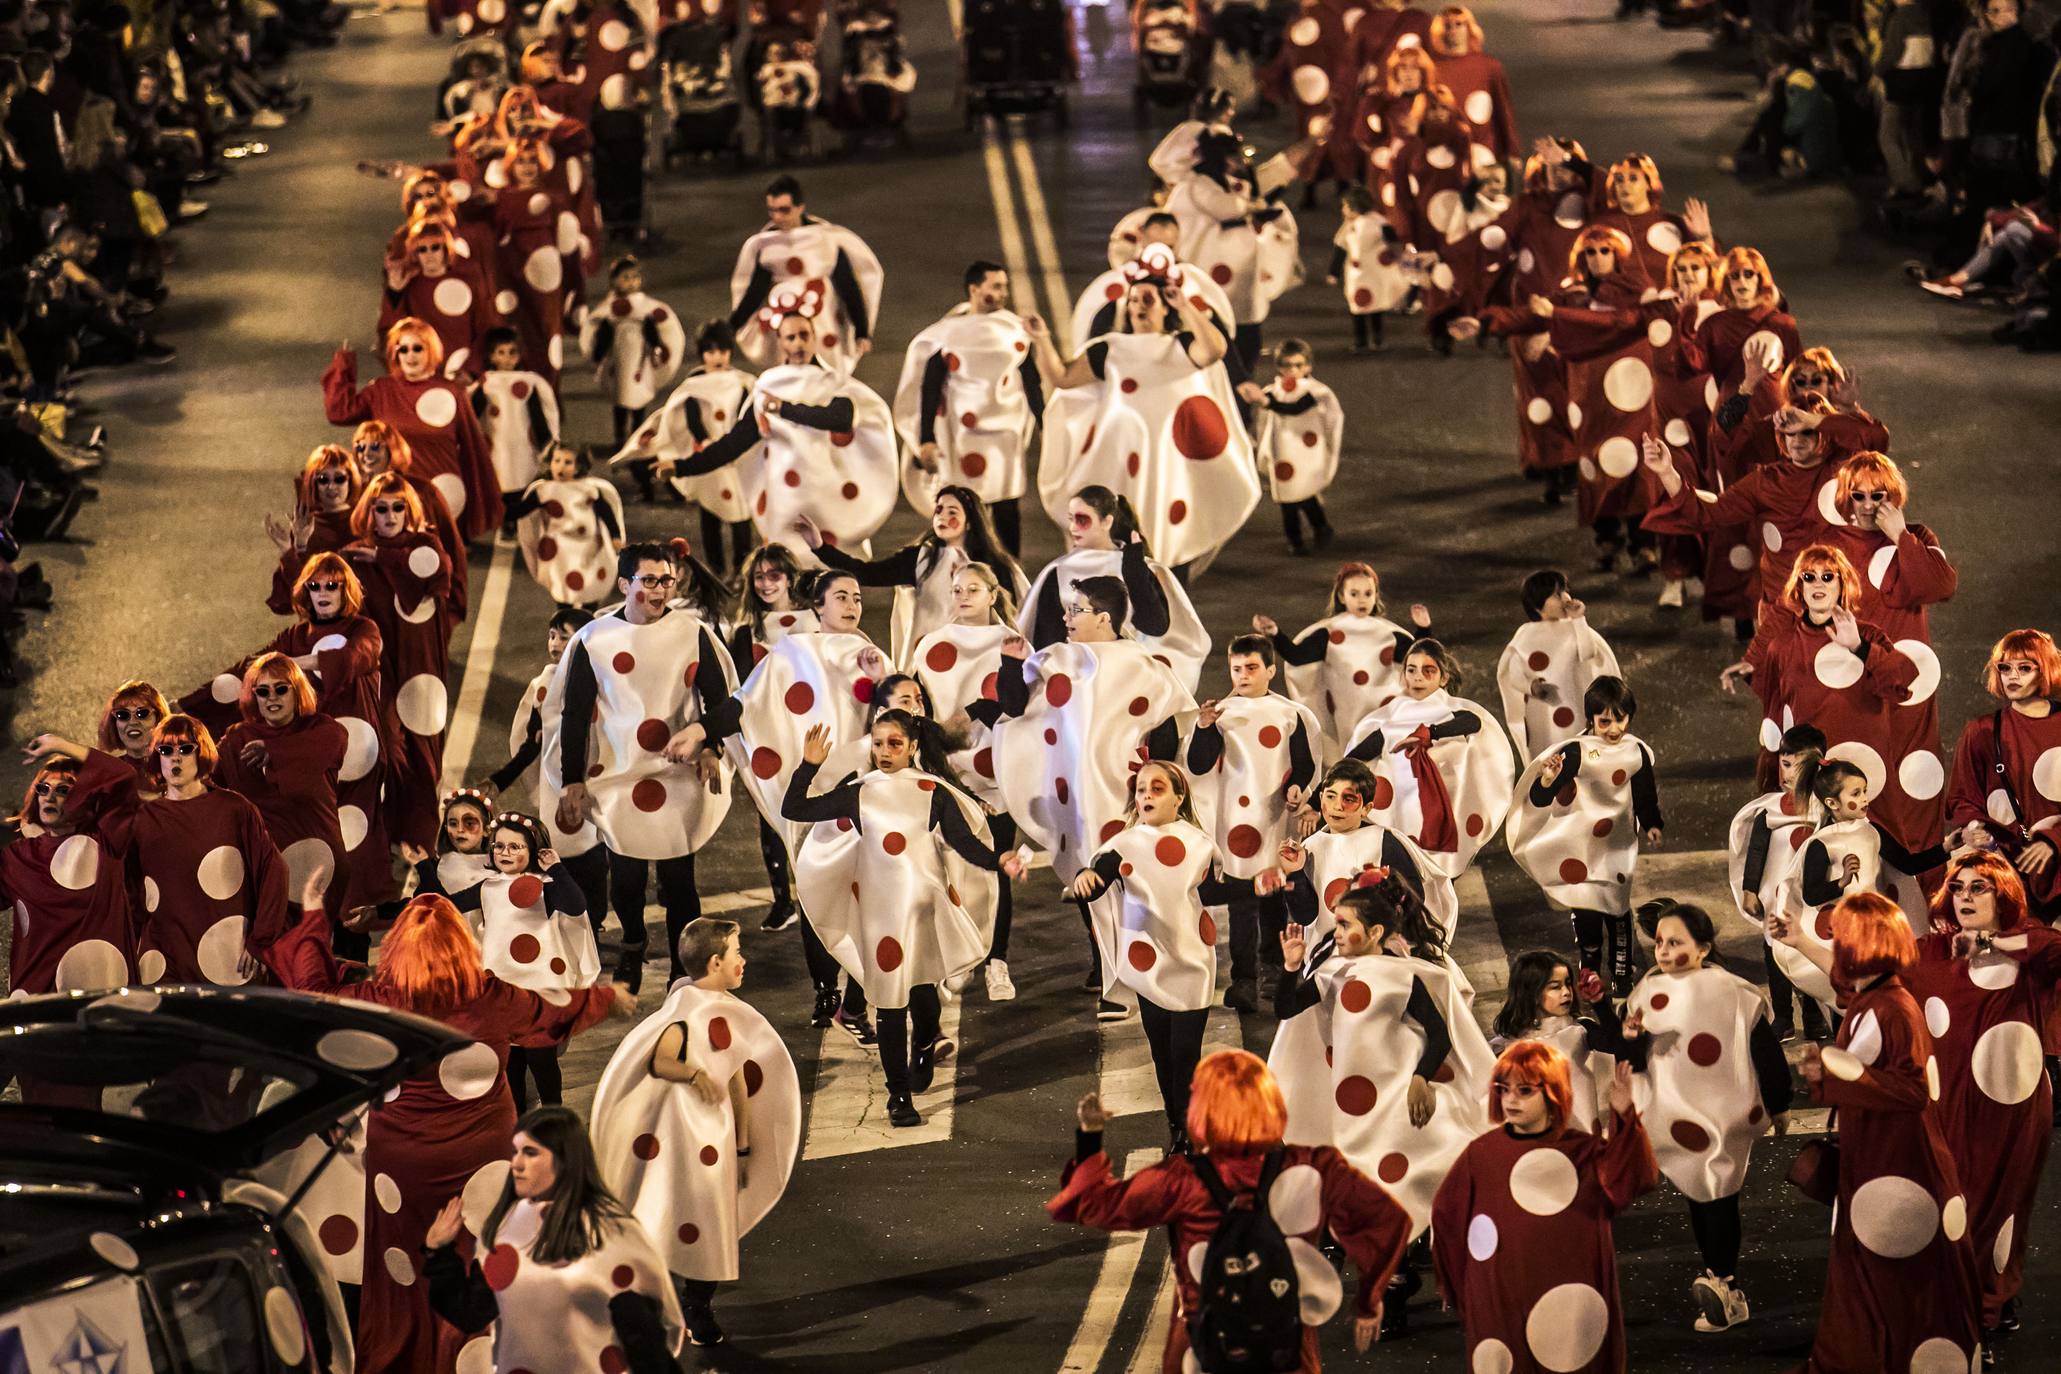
1545, 1068
57, 765
1820, 360
1642, 166
1697, 252
1412, 56
2036, 645
391, 485
2004, 879
182, 729
431, 957
328, 566
1870, 938
424, 231
1598, 236
409, 327
1875, 470
1749, 260
423, 187
399, 456
1822, 558
325, 458
1346, 573
1449, 19
1234, 1105
132, 694
275, 667
1536, 169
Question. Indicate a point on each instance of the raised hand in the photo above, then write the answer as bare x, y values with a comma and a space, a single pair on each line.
1207, 715
1621, 1088
1089, 1113
810, 534
445, 1228
816, 744
1844, 630
1420, 615
1295, 945
1734, 674
1265, 625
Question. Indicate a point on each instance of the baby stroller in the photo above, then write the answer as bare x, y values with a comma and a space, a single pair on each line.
1166, 36
699, 93
786, 88
874, 97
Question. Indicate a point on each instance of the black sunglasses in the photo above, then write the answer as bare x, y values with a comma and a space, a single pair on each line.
183, 749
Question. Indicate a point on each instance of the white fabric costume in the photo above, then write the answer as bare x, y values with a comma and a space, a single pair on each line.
1299, 453
1786, 838
1543, 672
1337, 857
957, 665
1154, 936
1361, 672
1375, 277
566, 546
507, 423
1184, 646
1242, 802
845, 481
555, 1316
804, 258
717, 399
1582, 848
633, 371
804, 680
1698, 1096
531, 703
983, 434
525, 943
1254, 264
1478, 769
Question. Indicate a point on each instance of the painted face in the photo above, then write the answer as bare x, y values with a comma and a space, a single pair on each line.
1250, 675
565, 464
411, 354
556, 637
133, 723
1422, 676
1973, 899
532, 1169
1355, 937
1821, 590
1692, 278
1359, 595
948, 519
797, 340
1291, 369
1599, 260
1526, 1108
1851, 801
505, 357
2019, 677
973, 598
891, 748
1674, 949
332, 490
627, 282
783, 212
729, 967
1343, 806
1744, 286
178, 762
770, 584
373, 457
992, 293
465, 830
1629, 190
1800, 446
842, 606
510, 851
52, 789
1145, 308
274, 699
650, 588
1159, 802
1557, 997
1087, 529
715, 360
389, 517
1609, 726
430, 257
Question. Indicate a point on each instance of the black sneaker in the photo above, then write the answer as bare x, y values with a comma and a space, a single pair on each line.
2007, 1320
1106, 1010
827, 1003
1093, 982
859, 1027
1785, 1031
780, 918
901, 1111
701, 1326
922, 1068
1242, 995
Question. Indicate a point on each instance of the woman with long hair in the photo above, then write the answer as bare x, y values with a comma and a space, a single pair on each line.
1996, 800
444, 1131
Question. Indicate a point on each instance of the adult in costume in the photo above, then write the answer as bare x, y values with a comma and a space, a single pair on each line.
830, 276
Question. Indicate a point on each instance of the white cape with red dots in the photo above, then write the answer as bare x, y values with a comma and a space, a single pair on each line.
1150, 927
507, 422
564, 542
555, 1316
1542, 674
1243, 801
1582, 847
525, 943
1299, 453
1345, 1066
1478, 770
1698, 1096
1164, 433
531, 704
671, 1156
717, 399
1338, 857
957, 665
983, 430
1359, 674
1107, 292
1375, 278
814, 678
645, 684
844, 481
1787, 835
1254, 263
1066, 762
895, 904
801, 261
1185, 645
1857, 839
931, 603
633, 369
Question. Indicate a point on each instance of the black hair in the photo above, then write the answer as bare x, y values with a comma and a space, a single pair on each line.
1108, 595
785, 185
583, 459
1803, 739
977, 271
630, 555
1160, 219
583, 1211
529, 827
1821, 779
815, 585
715, 334
1357, 199
478, 801
1442, 656
756, 610
1609, 693
495, 337
981, 542
1521, 1011
926, 736
1115, 509
570, 619
1354, 771
1397, 907
623, 264
1701, 928
1538, 588
1295, 348
1253, 644
700, 585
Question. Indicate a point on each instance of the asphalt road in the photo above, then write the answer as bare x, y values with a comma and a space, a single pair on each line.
931, 1251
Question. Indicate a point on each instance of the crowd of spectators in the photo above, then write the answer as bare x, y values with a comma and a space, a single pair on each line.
112, 118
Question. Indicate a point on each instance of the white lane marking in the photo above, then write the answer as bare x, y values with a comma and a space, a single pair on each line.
487, 616
1042, 238
848, 1107
1020, 284
1112, 1281
1151, 1348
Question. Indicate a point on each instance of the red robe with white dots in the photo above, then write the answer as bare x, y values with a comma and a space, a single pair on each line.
295, 792
347, 688
1599, 331
1300, 78
435, 417
459, 306
406, 580
537, 231
1522, 1241
1901, 1291
2010, 782
71, 906
1482, 90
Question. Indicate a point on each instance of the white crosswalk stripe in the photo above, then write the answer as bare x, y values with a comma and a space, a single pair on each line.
1120, 1257
848, 1105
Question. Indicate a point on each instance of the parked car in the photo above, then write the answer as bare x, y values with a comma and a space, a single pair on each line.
134, 1233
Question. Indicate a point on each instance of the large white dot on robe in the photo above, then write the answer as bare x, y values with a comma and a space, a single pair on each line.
1864, 758
1312, 86
399, 1267
1570, 211
91, 964
1587, 468
1388, 194
352, 822
468, 1073
1491, 1357
1443, 158
356, 1051
1319, 1289
575, 174
1938, 1017
306, 858
1992, 972
1842, 1065
221, 872
1442, 275
1628, 384
387, 1193
421, 613
2046, 774
328, 644
1927, 681
361, 748
1921, 775
1940, 1356
1894, 1216
1543, 1182
283, 1326
451, 487
1762, 338
476, 1356
568, 232
1931, 1074
423, 561
1617, 456
477, 1198
1494, 237
1296, 1200
452, 296
1710, 394
1879, 563
76, 863
1197, 1253
436, 407
1443, 208
1482, 1236
1953, 1218
507, 302
615, 91
1865, 1044
226, 688
1305, 31
491, 11
2006, 1062
1741, 557
1770, 735
1478, 106
150, 966
1837, 666
1663, 237
1659, 333
220, 951
2000, 1253
422, 704
555, 350
1574, 415
543, 270
1525, 261
613, 36
1538, 410
1568, 1325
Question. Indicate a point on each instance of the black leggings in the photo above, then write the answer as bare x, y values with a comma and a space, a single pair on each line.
1295, 514
1604, 942
897, 1025
1176, 1041
540, 1064
1610, 529
1256, 926
1781, 991
628, 880
1008, 525
694, 1293
590, 871
1367, 329
1094, 950
1716, 1225
743, 534
774, 852
1003, 827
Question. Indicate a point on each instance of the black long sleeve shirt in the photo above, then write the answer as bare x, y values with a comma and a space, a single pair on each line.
835, 417
843, 281
1459, 725
1151, 614
460, 1294
935, 374
525, 754
1206, 748
1821, 885
1302, 896
842, 803
1012, 698
1315, 648
1213, 890
1645, 791
1296, 992
582, 692
1764, 1047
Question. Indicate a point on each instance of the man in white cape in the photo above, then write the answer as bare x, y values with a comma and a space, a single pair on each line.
830, 269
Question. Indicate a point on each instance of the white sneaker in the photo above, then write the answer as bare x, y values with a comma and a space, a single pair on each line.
1723, 1305
268, 119
1670, 594
1000, 988
1696, 588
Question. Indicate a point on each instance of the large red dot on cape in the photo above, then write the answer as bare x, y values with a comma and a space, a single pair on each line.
499, 1267
1200, 430
1170, 850
1058, 690
648, 795
1355, 1095
718, 1033
1355, 995
527, 890
1142, 955
1244, 841
888, 954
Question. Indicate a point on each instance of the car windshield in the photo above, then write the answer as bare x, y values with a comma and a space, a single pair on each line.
144, 1074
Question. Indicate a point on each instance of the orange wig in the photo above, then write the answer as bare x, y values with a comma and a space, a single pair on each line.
425, 231
399, 456
1234, 1105
1812, 360
423, 187
392, 485
49, 770
1598, 236
1749, 260
2036, 645
1870, 938
1639, 165
1697, 252
1455, 18
1822, 558
408, 327
328, 565
183, 729
131, 694
275, 667
1539, 1064
1871, 471
1412, 56
1535, 168
2003, 880
323, 459
431, 957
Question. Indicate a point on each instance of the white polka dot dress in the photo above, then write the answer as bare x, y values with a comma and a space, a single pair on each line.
1698, 1095
958, 665
1479, 771
1374, 278
1337, 858
566, 544
805, 679
527, 943
1582, 847
555, 1316
531, 705
983, 431
1184, 646
1789, 826
1155, 937
803, 258
717, 399
635, 368
1097, 310
846, 481
1544, 670
1255, 263
1360, 672
1298, 454
506, 420
1242, 802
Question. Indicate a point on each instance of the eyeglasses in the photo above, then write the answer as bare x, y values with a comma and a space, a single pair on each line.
510, 847
1599, 252
333, 478
57, 790
1809, 379
655, 582
1972, 887
183, 749
1859, 495
368, 446
265, 691
1081, 608
409, 348
330, 586
426, 249
1828, 578
142, 714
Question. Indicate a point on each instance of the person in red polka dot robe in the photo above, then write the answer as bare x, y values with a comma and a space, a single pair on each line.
2006, 788
284, 757
429, 282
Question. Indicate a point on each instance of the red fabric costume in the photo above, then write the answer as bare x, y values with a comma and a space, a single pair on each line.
332, 531
295, 792
405, 581
459, 306
1300, 77
67, 893
2013, 786
1482, 92
435, 417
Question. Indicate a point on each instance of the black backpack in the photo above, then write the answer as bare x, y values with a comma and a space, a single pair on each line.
1248, 1319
